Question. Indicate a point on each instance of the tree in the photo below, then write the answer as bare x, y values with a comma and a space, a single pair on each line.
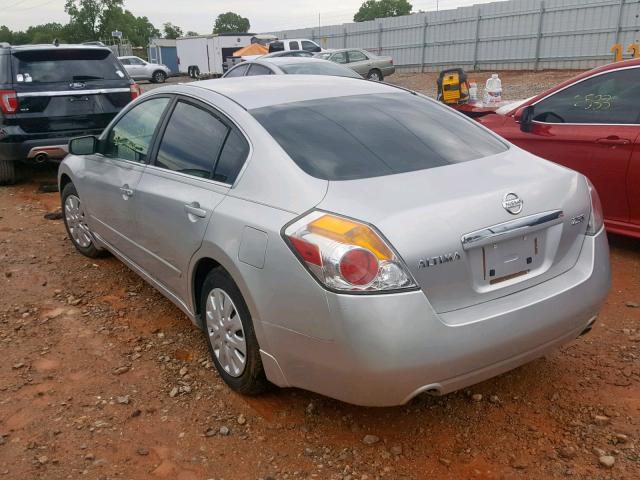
171, 31
6, 35
191, 33
372, 9
89, 18
231, 23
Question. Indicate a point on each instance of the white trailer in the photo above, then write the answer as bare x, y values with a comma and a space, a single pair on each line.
207, 54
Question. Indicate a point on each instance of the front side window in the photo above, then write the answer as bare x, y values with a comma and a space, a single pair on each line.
340, 57
125, 61
136, 61
293, 45
131, 137
238, 71
310, 46
611, 98
191, 142
256, 69
357, 56
372, 135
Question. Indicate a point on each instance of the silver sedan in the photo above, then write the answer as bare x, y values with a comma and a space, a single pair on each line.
338, 236
363, 62
289, 66
139, 69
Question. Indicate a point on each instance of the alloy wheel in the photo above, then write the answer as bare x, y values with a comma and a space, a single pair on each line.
78, 228
225, 332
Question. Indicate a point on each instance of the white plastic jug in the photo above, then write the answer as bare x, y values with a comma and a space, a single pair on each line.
473, 92
493, 89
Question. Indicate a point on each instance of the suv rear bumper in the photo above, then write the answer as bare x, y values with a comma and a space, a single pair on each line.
35, 148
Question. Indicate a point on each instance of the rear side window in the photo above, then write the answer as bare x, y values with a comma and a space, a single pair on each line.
293, 45
65, 65
237, 71
256, 69
232, 158
192, 141
5, 69
356, 56
373, 135
276, 47
318, 67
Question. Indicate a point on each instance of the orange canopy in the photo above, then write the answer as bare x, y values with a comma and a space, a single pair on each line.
253, 49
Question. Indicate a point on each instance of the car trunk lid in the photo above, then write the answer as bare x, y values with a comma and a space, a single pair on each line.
459, 242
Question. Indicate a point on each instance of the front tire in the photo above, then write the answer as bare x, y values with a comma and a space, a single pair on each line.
230, 336
7, 172
74, 221
159, 77
375, 75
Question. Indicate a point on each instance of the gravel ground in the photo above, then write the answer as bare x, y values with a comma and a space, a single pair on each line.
516, 85
105, 379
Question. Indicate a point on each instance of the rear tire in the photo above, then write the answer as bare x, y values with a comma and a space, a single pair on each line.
159, 77
74, 221
8, 174
375, 75
228, 329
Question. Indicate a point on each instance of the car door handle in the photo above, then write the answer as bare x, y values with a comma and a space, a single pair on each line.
195, 210
613, 140
126, 191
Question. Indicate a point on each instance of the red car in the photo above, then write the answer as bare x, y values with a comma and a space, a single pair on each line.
590, 124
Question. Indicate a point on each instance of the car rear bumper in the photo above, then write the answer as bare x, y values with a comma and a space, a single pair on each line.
389, 348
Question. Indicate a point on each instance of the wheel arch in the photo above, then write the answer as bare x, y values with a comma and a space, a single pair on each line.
65, 179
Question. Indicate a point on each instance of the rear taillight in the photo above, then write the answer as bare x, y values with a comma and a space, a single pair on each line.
8, 101
596, 219
346, 255
135, 91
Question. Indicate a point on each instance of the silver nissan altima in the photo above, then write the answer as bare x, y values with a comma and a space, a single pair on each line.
342, 236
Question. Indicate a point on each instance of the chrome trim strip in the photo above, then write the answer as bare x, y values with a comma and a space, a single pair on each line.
520, 226
73, 92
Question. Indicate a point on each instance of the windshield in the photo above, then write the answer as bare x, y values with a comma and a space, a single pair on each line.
65, 65
364, 136
318, 68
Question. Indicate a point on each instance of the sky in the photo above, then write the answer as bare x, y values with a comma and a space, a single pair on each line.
199, 15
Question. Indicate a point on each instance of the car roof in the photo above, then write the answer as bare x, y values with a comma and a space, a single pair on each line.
268, 90
288, 60
62, 46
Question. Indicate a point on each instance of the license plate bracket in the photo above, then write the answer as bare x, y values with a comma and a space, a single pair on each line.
510, 259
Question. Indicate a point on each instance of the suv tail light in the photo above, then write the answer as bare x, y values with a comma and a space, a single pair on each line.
596, 219
8, 101
135, 91
346, 255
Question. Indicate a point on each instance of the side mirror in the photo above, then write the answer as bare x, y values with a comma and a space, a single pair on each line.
525, 117
83, 145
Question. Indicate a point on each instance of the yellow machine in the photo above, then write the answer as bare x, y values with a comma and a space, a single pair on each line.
453, 87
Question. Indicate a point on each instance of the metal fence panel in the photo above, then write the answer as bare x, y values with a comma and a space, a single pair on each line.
518, 34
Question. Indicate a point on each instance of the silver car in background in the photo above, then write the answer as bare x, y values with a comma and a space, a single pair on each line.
139, 69
363, 62
288, 66
338, 236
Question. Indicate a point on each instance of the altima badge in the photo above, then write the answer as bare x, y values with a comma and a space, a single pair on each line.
439, 260
512, 203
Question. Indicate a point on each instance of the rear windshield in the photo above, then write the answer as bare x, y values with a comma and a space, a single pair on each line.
65, 65
318, 68
365, 136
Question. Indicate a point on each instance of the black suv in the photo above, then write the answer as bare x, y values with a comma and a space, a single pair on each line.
51, 93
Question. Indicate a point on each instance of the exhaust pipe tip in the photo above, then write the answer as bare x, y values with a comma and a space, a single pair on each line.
41, 157
589, 326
